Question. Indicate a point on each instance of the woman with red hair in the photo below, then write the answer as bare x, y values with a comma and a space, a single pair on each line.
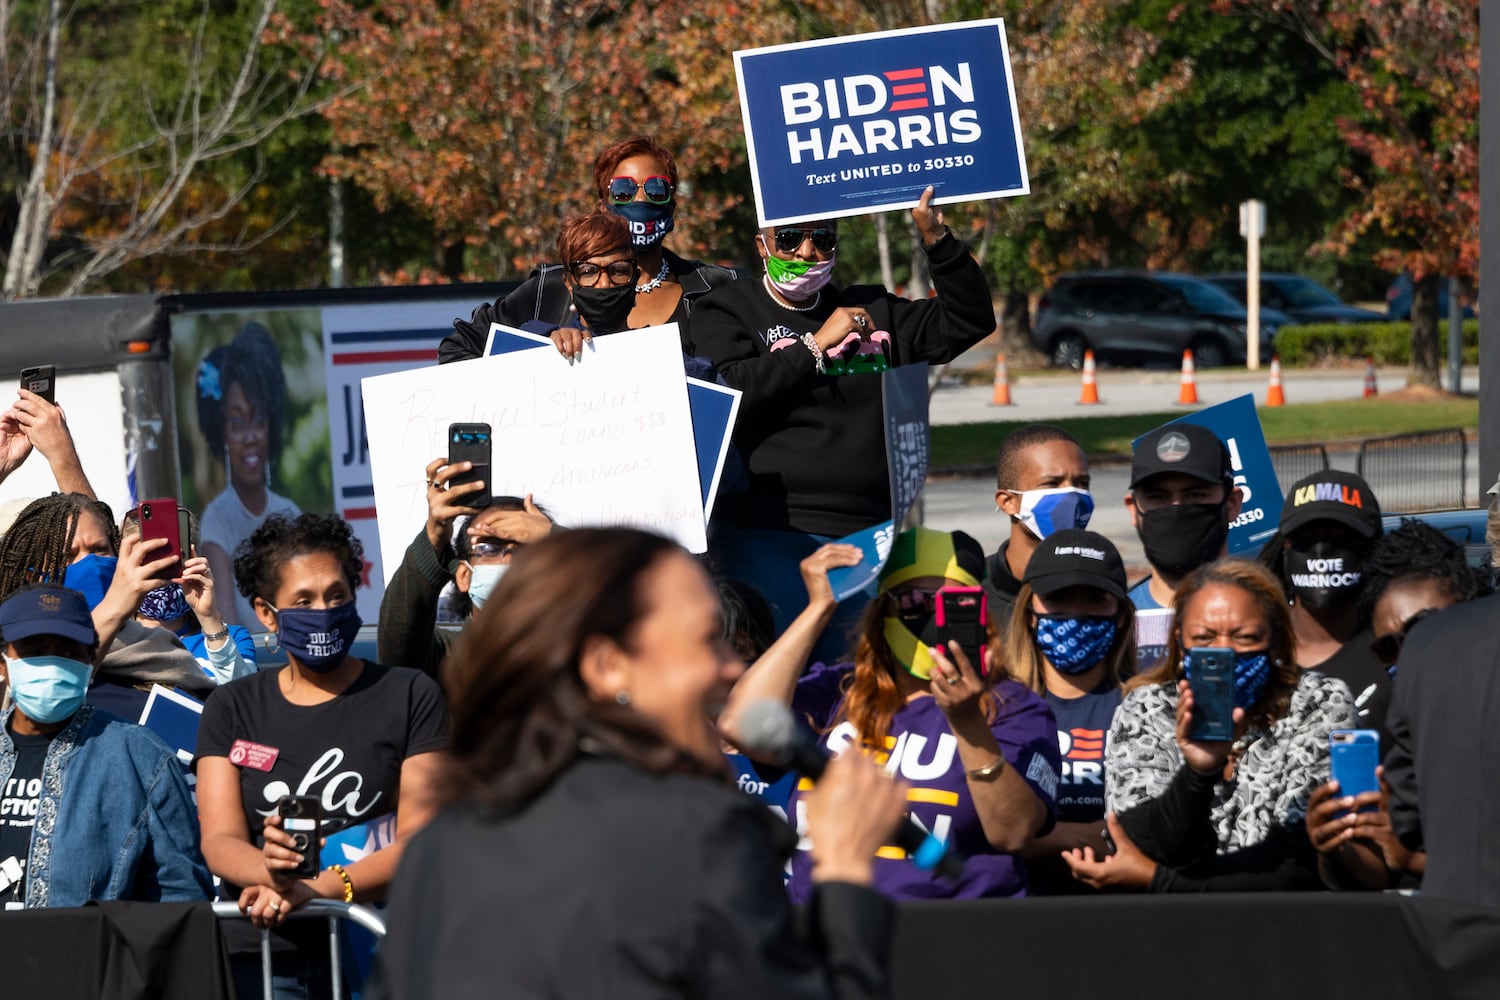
978, 748
635, 179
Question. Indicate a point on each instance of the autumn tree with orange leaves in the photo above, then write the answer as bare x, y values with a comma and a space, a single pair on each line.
1416, 69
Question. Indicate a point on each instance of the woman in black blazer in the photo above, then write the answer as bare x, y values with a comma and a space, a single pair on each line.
591, 845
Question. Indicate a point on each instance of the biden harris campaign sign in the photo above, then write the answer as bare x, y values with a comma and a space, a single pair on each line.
848, 126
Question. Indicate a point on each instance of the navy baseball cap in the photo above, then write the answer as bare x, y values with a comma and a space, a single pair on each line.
47, 610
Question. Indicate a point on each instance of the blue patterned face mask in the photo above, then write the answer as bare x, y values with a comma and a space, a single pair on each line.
1251, 671
1073, 644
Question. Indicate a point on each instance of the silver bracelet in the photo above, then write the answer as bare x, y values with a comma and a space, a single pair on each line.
215, 636
817, 352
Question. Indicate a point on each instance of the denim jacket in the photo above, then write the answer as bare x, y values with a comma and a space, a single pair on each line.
115, 819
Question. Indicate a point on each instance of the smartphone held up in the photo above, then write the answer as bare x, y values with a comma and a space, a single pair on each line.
962, 615
162, 518
471, 443
1210, 676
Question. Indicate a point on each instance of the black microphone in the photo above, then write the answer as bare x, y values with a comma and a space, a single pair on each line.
767, 730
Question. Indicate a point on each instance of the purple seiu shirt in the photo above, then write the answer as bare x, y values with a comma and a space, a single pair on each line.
924, 752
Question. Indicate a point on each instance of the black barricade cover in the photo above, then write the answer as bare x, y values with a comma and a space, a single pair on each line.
1206, 947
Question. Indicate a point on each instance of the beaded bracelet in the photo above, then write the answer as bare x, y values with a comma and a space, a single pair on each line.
348, 882
817, 352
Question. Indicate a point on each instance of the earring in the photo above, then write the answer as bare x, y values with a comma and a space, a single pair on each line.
622, 697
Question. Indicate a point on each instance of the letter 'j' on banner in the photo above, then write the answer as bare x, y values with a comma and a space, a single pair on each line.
849, 126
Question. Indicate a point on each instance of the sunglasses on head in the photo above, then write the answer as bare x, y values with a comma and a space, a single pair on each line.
1387, 648
658, 190
824, 240
620, 272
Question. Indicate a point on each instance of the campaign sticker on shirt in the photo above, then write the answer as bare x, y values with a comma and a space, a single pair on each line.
256, 756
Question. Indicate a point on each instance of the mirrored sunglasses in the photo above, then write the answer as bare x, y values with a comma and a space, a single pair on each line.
622, 190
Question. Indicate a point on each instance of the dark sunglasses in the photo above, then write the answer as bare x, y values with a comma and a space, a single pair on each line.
620, 272
1387, 648
824, 240
622, 190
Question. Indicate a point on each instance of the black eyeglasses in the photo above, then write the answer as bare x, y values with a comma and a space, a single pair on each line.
1387, 648
620, 272
824, 240
658, 190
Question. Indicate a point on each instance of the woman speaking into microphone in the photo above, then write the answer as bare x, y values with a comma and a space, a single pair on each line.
591, 844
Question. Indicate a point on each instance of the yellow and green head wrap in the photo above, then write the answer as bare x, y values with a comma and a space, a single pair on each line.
925, 552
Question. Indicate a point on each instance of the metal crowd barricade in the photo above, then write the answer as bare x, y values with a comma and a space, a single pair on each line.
1424, 470
1294, 461
333, 910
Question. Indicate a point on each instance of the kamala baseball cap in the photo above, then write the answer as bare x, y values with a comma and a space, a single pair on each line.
47, 610
1332, 495
1188, 449
1075, 557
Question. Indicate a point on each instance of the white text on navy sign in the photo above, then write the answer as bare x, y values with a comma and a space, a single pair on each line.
875, 99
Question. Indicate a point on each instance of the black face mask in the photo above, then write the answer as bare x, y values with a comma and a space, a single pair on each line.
1323, 574
1181, 537
606, 310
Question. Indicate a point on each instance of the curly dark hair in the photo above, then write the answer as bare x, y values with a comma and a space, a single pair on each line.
252, 361
39, 544
259, 559
520, 707
1418, 551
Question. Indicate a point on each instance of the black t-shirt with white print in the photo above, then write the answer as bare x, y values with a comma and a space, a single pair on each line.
18, 805
347, 752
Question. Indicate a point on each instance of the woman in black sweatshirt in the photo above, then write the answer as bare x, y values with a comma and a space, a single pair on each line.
813, 437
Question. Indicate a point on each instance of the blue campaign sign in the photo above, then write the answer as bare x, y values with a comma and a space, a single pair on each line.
848, 126
1238, 426
904, 395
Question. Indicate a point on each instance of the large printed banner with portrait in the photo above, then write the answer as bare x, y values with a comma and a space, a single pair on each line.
903, 392
269, 419
608, 440
849, 126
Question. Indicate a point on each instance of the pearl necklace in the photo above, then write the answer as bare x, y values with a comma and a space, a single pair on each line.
655, 282
783, 303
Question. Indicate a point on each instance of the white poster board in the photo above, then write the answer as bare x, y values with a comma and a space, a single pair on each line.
605, 441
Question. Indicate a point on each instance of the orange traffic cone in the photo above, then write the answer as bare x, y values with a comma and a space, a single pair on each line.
1090, 394
1002, 382
1371, 389
1187, 392
1274, 395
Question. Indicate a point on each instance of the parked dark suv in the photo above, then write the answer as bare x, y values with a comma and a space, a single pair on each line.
1145, 315
1302, 299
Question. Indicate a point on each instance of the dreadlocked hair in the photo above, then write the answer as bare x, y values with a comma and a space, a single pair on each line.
39, 544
